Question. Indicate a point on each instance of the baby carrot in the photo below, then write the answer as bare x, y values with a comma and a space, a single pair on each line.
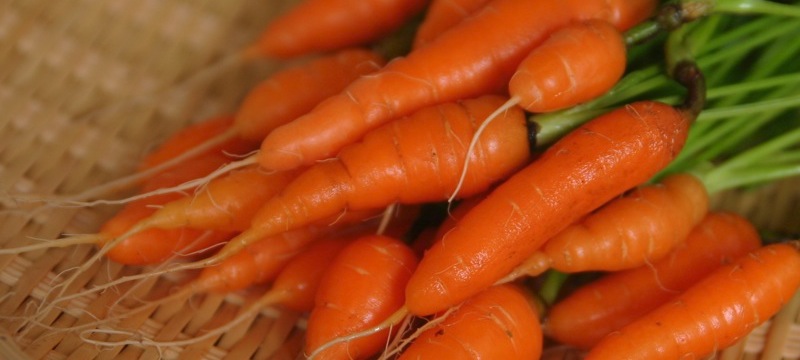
499, 37
617, 299
497, 323
316, 26
577, 63
579, 173
713, 313
415, 159
375, 269
629, 231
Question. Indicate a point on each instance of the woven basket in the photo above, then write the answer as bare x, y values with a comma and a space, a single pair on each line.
61, 64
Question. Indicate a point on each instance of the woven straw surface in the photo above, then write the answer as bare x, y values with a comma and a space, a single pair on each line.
61, 64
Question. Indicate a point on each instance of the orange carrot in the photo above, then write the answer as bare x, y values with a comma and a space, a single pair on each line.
497, 323
585, 169
632, 230
156, 245
415, 159
577, 63
295, 90
193, 135
316, 26
617, 299
713, 313
442, 15
499, 37
375, 270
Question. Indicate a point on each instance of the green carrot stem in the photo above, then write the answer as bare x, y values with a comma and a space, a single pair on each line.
720, 113
755, 7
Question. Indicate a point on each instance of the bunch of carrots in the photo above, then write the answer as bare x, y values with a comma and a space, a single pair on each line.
439, 200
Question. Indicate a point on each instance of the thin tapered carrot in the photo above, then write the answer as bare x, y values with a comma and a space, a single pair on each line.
441, 15
375, 269
499, 37
295, 90
498, 323
713, 313
613, 301
415, 159
315, 26
582, 171
154, 246
638, 228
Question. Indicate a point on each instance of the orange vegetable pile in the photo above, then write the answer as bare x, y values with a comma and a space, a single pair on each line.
350, 133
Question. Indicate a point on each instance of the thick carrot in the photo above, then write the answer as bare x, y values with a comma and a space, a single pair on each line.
627, 232
375, 270
499, 37
441, 15
585, 169
316, 26
415, 159
498, 323
617, 299
714, 312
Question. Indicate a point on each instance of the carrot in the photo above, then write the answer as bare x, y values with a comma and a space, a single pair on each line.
295, 90
415, 159
316, 26
497, 323
575, 64
605, 305
154, 246
632, 230
576, 175
375, 269
499, 37
713, 313
441, 15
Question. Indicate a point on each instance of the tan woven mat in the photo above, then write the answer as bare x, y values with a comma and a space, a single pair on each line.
63, 66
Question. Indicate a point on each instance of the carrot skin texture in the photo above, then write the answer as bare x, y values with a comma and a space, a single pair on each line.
552, 77
294, 91
413, 160
375, 269
498, 323
315, 26
713, 313
444, 71
615, 300
633, 230
585, 169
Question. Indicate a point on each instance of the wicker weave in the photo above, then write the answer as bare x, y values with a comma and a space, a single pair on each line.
61, 64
